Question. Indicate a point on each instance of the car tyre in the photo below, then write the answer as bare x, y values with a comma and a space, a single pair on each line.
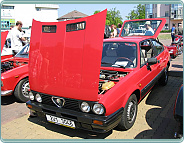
129, 114
164, 78
22, 90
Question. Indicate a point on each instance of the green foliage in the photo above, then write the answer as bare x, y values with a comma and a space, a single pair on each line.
165, 31
138, 13
113, 17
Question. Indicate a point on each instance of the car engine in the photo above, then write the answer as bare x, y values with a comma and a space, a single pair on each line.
108, 79
8, 65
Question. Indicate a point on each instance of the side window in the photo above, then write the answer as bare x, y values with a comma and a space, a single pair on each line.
157, 48
145, 52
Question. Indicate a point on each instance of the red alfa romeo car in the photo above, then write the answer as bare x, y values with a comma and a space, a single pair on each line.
79, 80
14, 75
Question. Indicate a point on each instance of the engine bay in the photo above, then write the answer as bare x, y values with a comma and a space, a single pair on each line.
108, 79
8, 65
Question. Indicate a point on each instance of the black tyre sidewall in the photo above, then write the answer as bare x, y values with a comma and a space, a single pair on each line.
124, 124
18, 91
164, 78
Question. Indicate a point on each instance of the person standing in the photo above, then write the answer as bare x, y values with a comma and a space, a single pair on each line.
180, 30
115, 32
8, 38
173, 32
149, 30
17, 38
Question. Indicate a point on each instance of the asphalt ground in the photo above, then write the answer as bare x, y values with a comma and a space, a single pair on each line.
154, 119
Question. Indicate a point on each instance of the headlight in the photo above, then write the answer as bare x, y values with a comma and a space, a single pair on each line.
98, 109
31, 96
38, 98
85, 107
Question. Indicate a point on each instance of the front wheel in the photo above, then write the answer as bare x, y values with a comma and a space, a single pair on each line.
22, 90
129, 114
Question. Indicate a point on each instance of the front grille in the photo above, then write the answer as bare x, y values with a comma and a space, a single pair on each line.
71, 104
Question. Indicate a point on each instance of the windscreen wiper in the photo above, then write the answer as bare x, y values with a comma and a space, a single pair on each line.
105, 63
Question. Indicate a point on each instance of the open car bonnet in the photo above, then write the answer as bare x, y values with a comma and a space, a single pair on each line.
3, 39
65, 57
143, 27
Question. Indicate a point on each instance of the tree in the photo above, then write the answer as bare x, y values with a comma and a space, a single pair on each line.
138, 13
113, 16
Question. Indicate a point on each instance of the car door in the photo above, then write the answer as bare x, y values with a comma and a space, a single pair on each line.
150, 74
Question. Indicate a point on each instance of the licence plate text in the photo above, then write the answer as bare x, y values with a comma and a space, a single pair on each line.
60, 121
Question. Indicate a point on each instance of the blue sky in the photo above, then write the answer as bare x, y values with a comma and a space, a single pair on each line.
89, 9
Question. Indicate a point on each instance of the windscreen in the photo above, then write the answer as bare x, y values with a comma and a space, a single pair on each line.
140, 28
119, 54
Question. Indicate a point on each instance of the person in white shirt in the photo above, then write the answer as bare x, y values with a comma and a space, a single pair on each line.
17, 38
149, 30
8, 38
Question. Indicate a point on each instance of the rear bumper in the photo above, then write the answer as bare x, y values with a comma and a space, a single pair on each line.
82, 120
6, 92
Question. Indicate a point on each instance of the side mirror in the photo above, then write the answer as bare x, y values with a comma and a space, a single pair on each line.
151, 61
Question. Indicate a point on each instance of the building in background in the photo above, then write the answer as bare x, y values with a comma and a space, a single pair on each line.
173, 13
11, 13
72, 15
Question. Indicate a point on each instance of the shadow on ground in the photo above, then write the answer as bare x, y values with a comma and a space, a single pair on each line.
67, 131
6, 100
160, 118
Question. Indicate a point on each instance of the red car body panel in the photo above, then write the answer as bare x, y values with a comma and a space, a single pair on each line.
3, 38
6, 56
73, 70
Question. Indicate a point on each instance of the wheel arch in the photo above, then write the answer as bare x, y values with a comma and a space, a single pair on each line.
21, 78
138, 94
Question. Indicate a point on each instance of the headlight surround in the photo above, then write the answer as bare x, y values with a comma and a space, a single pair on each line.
85, 107
98, 109
38, 98
31, 96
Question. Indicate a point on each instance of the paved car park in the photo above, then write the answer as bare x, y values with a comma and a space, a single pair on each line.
154, 120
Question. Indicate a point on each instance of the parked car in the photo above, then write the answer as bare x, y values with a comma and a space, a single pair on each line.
14, 75
173, 50
79, 80
176, 47
178, 113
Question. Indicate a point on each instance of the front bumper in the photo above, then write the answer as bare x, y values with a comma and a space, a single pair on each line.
6, 92
82, 120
